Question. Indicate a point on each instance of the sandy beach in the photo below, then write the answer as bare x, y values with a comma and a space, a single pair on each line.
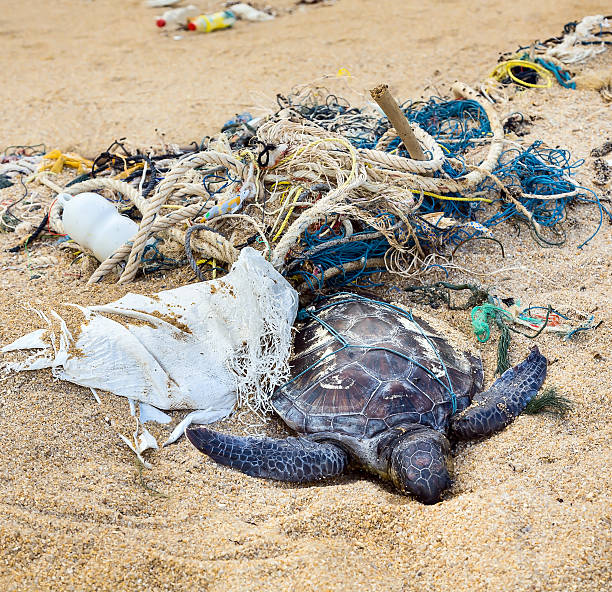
529, 509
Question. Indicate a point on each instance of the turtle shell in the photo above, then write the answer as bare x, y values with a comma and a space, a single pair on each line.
362, 367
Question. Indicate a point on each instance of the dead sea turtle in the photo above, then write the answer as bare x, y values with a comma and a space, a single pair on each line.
375, 388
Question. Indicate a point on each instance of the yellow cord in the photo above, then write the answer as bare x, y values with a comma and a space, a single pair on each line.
448, 198
504, 70
212, 263
280, 230
128, 171
69, 159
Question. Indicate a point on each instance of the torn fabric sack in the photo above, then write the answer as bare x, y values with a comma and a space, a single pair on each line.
207, 346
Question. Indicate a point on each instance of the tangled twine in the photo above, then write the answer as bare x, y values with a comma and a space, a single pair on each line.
151, 222
310, 175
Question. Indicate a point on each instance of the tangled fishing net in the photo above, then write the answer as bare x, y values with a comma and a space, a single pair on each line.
326, 191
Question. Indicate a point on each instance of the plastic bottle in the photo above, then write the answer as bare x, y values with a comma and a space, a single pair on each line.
205, 23
177, 17
248, 13
94, 222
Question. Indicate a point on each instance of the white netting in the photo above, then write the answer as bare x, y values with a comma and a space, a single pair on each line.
204, 346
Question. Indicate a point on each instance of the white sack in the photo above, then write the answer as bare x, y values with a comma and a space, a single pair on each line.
202, 346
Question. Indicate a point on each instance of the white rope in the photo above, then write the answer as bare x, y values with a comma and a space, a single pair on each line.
357, 184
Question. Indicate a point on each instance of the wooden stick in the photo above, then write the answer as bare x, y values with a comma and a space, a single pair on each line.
398, 120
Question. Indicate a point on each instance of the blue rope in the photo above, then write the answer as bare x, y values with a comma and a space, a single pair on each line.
563, 77
602, 210
337, 256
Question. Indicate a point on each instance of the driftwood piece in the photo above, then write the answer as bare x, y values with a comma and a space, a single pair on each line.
398, 120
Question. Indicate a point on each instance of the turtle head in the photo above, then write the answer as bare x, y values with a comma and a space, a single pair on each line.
418, 464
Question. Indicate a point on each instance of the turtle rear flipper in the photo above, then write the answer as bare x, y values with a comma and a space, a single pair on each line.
493, 409
297, 460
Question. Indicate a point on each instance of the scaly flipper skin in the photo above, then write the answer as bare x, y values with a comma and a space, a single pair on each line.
293, 459
494, 409
419, 464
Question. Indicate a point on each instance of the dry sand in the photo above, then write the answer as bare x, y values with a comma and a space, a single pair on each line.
530, 507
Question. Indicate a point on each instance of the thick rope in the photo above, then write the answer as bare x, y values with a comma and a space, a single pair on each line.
161, 223
410, 165
213, 243
163, 191
169, 187
356, 183
393, 185
117, 185
334, 201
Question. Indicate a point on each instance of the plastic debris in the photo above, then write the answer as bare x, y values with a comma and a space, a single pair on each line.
536, 318
94, 223
177, 17
248, 13
150, 413
58, 161
207, 346
573, 48
27, 165
205, 23
139, 444
161, 3
32, 340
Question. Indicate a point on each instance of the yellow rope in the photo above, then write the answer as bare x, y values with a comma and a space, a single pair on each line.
449, 198
284, 224
128, 171
283, 198
504, 70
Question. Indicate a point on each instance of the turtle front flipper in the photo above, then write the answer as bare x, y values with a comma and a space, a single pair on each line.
293, 459
493, 409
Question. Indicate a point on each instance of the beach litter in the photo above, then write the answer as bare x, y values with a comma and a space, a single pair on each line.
177, 18
509, 315
249, 13
541, 64
208, 346
161, 3
190, 17
206, 23
329, 193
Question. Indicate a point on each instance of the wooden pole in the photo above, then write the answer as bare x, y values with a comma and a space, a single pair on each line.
398, 120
